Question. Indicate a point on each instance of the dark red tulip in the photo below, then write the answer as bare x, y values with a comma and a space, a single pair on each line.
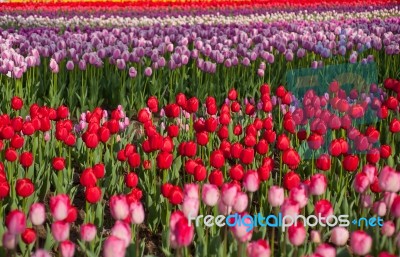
24, 187
291, 180
350, 162
16, 103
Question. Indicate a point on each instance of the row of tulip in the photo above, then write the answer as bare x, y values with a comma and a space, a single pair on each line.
84, 65
18, 5
115, 181
179, 18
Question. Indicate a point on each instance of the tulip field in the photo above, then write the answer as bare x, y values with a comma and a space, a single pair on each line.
200, 128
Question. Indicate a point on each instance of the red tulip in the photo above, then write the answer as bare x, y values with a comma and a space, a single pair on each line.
385, 151
24, 187
26, 159
247, 156
16, 103
28, 236
282, 142
152, 104
93, 194
164, 160
232, 94
173, 131
394, 126
350, 162
192, 105
216, 178
323, 162
58, 163
131, 180
291, 158
217, 159
88, 178
291, 180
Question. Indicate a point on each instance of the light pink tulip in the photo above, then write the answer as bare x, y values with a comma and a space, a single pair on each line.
191, 191
122, 231
315, 236
67, 249
244, 231
389, 180
137, 212
318, 184
88, 232
224, 209
37, 214
388, 228
60, 230
251, 182
326, 250
339, 236
59, 206
389, 198
41, 253
258, 248
276, 196
16, 222
9, 240
290, 208
119, 207
370, 171
299, 195
379, 208
114, 247
190, 206
228, 193
241, 202
360, 242
210, 194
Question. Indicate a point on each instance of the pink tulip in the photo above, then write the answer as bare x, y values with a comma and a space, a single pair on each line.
181, 233
388, 228
366, 201
224, 209
60, 230
389, 199
370, 171
315, 236
324, 208
9, 240
243, 232
15, 222
389, 180
276, 196
241, 202
37, 214
339, 236
67, 249
190, 206
318, 184
360, 242
137, 212
41, 253
290, 208
299, 195
59, 206
191, 191
297, 234
228, 193
210, 194
326, 250
251, 182
114, 247
258, 248
88, 232
122, 231
119, 207
379, 208
395, 209
361, 182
